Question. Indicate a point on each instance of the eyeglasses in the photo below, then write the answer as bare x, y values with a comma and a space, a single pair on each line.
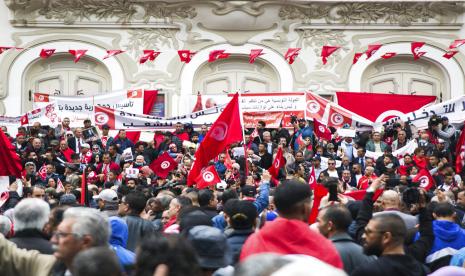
59, 234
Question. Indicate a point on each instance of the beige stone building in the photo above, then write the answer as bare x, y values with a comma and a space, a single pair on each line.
237, 27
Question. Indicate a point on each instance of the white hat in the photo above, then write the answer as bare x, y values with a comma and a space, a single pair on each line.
108, 195
85, 145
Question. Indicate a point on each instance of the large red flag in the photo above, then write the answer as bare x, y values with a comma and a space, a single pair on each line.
316, 106
338, 117
198, 105
11, 164
226, 130
278, 163
321, 131
460, 153
207, 178
163, 165
425, 179
360, 194
319, 192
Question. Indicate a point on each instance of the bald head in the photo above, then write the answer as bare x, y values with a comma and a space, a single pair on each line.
390, 199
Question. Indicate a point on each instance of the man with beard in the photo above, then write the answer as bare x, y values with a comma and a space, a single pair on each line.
384, 236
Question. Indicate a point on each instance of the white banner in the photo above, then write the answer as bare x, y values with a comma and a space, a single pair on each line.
453, 109
118, 119
77, 109
269, 102
407, 149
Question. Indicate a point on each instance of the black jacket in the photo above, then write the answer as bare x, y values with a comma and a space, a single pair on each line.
32, 239
236, 240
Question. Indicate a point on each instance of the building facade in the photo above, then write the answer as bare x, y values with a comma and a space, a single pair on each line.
237, 27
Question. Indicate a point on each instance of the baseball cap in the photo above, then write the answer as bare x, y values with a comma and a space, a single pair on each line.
210, 245
108, 195
444, 118
248, 190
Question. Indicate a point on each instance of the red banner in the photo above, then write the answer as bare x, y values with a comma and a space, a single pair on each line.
380, 107
272, 119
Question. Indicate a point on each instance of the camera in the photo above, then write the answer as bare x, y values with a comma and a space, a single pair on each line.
293, 119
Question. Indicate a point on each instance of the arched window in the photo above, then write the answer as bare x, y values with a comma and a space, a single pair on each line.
236, 73
59, 75
403, 75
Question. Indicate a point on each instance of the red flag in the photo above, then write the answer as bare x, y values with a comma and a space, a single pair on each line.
227, 160
11, 163
321, 131
135, 94
46, 53
60, 187
163, 165
338, 117
312, 178
24, 120
319, 192
372, 49
40, 97
291, 54
360, 194
198, 105
389, 55
254, 54
4, 48
460, 153
316, 106
103, 115
43, 172
207, 178
450, 54
326, 51
148, 55
217, 54
226, 130
457, 43
415, 47
77, 54
356, 57
425, 179
112, 53
185, 55
278, 163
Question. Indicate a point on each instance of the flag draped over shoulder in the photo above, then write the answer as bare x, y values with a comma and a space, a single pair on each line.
226, 130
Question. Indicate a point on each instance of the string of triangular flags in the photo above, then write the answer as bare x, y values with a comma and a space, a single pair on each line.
290, 55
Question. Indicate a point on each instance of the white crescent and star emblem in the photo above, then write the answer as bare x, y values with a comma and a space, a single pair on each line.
424, 181
165, 165
313, 106
337, 119
277, 163
101, 118
321, 128
208, 176
219, 131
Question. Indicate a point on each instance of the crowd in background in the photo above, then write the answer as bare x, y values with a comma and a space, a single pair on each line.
250, 223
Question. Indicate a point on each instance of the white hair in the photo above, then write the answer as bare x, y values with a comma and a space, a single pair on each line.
90, 222
31, 213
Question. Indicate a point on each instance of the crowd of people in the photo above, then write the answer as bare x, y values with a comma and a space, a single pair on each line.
253, 222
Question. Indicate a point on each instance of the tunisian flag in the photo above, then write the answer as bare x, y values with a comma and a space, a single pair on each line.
278, 163
460, 153
207, 178
163, 165
338, 117
425, 179
378, 107
226, 130
315, 106
11, 164
198, 105
321, 131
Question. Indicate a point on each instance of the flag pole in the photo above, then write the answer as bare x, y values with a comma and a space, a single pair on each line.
241, 117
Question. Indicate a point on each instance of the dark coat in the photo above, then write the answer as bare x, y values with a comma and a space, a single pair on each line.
32, 239
236, 240
137, 229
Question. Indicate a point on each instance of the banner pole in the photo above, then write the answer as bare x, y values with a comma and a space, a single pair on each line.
243, 134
